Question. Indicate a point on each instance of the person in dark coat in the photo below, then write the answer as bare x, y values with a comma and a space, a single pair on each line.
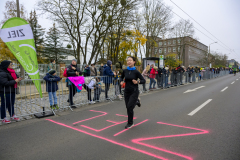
72, 71
8, 87
86, 71
101, 69
159, 78
52, 87
108, 77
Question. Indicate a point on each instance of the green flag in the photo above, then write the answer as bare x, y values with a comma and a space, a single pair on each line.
18, 36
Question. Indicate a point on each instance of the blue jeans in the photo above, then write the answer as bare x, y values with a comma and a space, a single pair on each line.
7, 102
52, 95
152, 81
166, 81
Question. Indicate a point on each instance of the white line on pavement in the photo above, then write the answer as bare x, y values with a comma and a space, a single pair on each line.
191, 90
237, 79
224, 89
233, 82
200, 107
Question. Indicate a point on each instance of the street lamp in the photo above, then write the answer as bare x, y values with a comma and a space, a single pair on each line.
209, 51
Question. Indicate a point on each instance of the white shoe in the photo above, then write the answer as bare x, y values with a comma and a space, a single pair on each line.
92, 102
15, 118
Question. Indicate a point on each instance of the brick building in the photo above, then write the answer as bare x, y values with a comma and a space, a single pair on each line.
190, 50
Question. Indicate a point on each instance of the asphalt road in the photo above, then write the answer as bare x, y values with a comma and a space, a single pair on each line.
202, 124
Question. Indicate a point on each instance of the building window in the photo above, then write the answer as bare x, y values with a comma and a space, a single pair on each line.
174, 41
160, 50
179, 41
150, 50
155, 50
169, 49
179, 48
169, 42
160, 43
165, 43
165, 50
174, 49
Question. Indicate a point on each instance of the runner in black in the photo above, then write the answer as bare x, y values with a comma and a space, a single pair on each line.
131, 76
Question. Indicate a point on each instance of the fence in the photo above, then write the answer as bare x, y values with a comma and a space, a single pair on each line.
26, 100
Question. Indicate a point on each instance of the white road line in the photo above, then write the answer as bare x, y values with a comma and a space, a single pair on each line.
233, 82
200, 107
237, 79
224, 89
191, 90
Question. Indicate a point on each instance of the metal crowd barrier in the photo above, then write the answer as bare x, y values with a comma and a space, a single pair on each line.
27, 102
176, 79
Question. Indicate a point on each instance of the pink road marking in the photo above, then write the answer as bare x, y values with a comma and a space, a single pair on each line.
137, 141
111, 121
129, 128
104, 113
109, 140
99, 130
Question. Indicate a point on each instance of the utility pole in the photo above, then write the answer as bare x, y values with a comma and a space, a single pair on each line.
18, 15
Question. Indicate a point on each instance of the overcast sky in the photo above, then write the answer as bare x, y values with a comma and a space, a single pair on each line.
219, 17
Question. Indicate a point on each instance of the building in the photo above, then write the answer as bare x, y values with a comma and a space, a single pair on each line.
232, 63
190, 51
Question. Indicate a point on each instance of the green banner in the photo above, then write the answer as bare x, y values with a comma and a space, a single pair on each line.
18, 36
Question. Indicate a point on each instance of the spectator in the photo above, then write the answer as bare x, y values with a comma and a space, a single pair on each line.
118, 72
116, 84
93, 70
159, 78
97, 90
107, 79
89, 85
101, 69
86, 71
145, 75
52, 87
8, 87
166, 74
152, 76
52, 65
72, 71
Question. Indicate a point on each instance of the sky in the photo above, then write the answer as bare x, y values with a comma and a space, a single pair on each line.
218, 17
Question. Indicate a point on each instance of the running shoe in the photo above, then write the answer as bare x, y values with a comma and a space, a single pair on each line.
129, 126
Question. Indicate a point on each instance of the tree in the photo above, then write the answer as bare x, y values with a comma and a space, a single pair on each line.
38, 33
157, 20
5, 53
87, 22
11, 11
53, 46
130, 42
172, 60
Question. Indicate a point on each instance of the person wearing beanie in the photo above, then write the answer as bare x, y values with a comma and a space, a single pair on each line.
107, 79
72, 71
8, 87
52, 87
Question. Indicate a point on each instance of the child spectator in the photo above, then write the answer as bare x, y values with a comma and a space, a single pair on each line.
97, 90
51, 87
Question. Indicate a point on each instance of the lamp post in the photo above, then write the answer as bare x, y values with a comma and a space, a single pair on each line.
209, 52
18, 15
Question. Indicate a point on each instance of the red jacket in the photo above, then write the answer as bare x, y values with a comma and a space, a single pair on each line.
153, 73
